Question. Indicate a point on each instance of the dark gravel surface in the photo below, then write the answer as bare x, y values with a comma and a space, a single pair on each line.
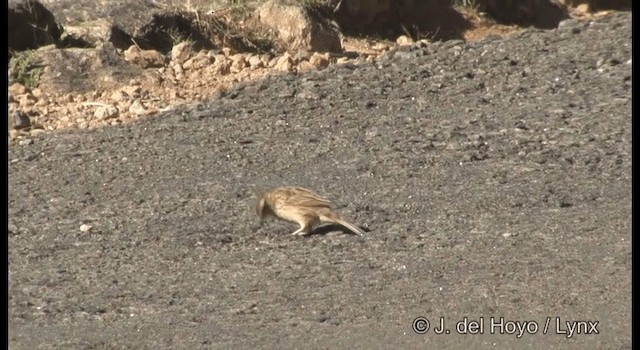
493, 178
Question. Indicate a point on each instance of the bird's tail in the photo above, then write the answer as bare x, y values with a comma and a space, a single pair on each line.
340, 221
351, 227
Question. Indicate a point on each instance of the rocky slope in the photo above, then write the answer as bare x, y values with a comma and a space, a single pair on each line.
494, 180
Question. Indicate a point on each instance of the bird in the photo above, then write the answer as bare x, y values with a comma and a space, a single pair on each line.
301, 206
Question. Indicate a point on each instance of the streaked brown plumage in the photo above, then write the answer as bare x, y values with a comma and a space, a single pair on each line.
301, 206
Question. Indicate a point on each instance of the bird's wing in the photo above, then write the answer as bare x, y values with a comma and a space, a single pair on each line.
307, 198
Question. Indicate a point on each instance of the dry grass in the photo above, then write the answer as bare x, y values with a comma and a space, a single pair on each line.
240, 6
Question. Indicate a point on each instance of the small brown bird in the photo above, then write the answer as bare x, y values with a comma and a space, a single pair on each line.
301, 206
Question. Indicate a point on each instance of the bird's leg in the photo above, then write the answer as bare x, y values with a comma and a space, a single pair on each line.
302, 231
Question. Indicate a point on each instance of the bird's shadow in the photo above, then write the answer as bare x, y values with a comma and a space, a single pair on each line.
328, 228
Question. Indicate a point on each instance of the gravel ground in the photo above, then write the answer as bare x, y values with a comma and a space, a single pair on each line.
493, 178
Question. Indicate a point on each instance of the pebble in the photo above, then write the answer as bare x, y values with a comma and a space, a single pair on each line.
21, 120
137, 108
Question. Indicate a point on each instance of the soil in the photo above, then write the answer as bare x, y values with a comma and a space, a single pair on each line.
493, 178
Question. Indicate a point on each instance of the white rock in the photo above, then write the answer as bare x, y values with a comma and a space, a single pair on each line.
106, 112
